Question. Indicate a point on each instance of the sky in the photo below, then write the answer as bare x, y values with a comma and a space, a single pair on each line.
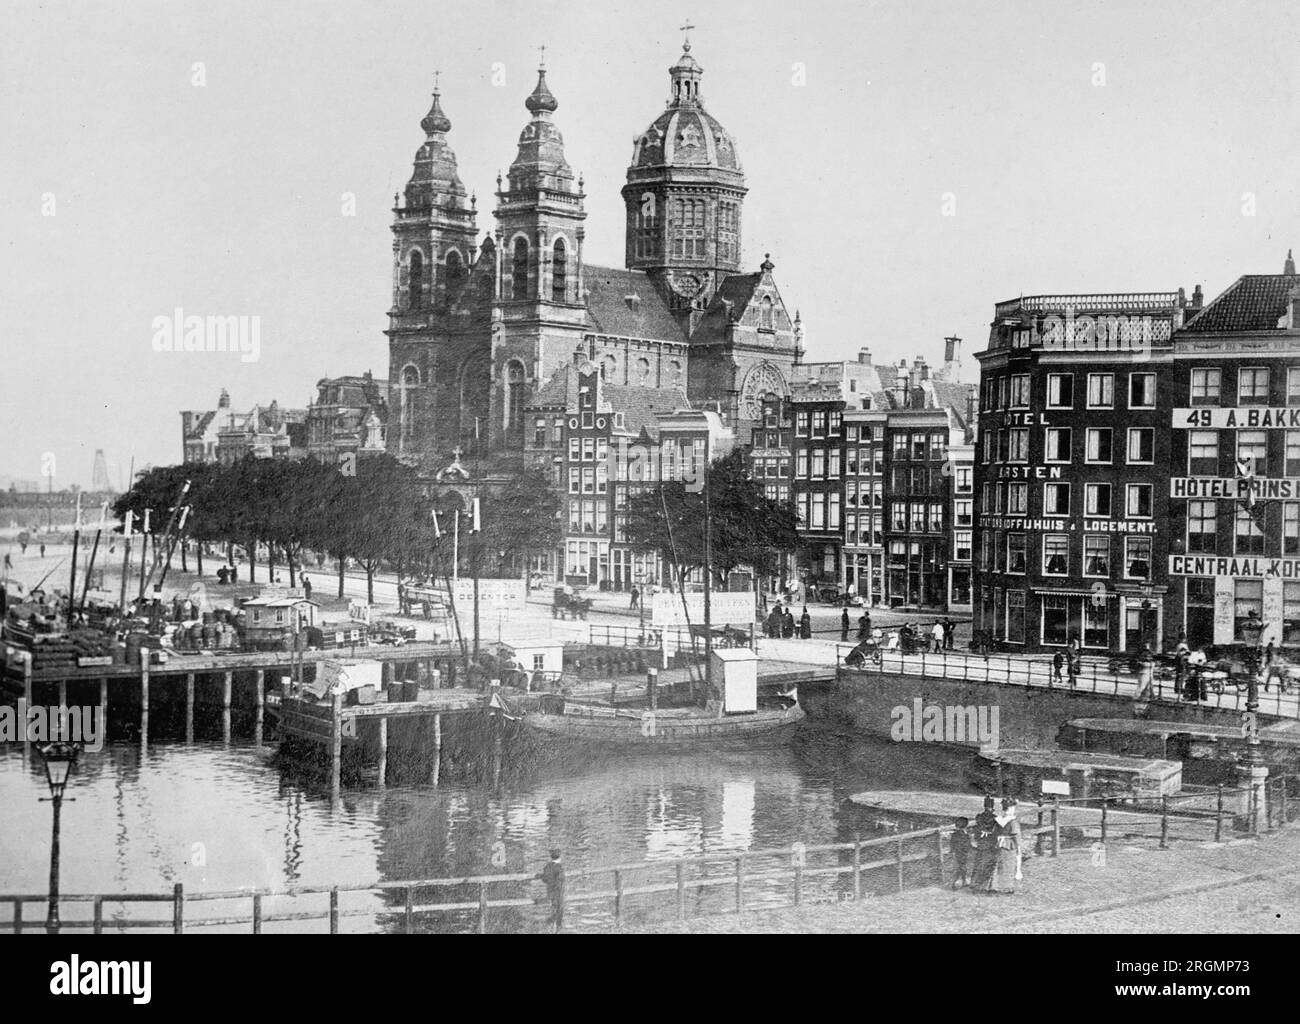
909, 164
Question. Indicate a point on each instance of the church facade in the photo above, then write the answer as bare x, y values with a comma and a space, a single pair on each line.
482, 321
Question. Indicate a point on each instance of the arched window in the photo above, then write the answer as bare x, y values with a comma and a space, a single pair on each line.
765, 313
559, 271
515, 389
409, 382
647, 234
455, 273
415, 281
519, 271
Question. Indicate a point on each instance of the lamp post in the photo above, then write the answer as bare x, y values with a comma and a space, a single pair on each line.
60, 758
1251, 770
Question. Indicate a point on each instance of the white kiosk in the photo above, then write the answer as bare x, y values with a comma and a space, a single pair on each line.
735, 677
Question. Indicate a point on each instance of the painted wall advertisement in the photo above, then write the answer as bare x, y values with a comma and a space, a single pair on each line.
494, 595
725, 609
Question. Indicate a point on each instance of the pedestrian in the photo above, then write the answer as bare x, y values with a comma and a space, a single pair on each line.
401, 598
949, 634
805, 625
234, 574
306, 587
553, 876
986, 848
960, 844
787, 624
42, 549
1180, 669
9, 563
864, 626
938, 634
427, 608
1269, 654
1074, 662
1058, 662
636, 596
1006, 867
844, 625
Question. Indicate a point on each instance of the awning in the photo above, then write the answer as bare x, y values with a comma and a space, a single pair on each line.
1106, 594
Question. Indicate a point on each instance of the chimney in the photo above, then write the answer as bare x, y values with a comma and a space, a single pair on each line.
864, 356
224, 401
1198, 298
1289, 266
951, 350
915, 376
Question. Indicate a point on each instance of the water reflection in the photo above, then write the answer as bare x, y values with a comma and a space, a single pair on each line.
213, 816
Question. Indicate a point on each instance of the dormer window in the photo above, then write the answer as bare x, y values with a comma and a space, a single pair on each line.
765, 314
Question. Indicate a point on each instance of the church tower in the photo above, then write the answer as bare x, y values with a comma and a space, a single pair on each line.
684, 193
433, 248
540, 312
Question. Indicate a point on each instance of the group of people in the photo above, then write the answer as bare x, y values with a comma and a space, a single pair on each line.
986, 857
780, 624
1070, 660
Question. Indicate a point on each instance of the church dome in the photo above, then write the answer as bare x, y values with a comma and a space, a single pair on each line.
685, 135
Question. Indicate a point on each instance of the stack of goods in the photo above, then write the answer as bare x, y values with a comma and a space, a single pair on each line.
83, 648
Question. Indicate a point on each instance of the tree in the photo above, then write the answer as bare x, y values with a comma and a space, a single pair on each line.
748, 528
520, 519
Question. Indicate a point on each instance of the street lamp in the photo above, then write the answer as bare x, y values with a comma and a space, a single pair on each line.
60, 758
1252, 761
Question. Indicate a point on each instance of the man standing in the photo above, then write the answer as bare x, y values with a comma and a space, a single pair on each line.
805, 625
1074, 662
636, 595
306, 587
938, 634
844, 625
1058, 662
553, 876
864, 627
949, 634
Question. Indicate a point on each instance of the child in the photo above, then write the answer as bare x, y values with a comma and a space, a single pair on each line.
960, 843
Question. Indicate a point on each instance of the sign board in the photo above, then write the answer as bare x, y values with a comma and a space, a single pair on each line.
494, 595
1232, 488
1056, 787
1240, 567
1250, 418
359, 611
734, 609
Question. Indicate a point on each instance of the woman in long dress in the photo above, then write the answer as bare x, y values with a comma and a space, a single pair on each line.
986, 848
1008, 858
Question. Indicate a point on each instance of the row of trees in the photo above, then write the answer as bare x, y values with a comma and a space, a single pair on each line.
381, 515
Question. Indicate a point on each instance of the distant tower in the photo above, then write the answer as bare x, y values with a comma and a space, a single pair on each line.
99, 476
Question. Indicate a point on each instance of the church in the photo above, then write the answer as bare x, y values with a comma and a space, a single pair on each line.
485, 322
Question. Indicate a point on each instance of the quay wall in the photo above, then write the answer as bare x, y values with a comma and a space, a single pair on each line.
1027, 716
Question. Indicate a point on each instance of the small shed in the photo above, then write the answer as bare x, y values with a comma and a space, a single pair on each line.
735, 676
268, 618
542, 660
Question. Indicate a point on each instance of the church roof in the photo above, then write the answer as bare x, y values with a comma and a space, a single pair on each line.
639, 405
559, 391
626, 303
1255, 302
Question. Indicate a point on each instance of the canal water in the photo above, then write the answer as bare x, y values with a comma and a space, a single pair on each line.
221, 817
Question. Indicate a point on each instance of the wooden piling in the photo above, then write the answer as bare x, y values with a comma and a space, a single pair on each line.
857, 866
257, 913
1056, 825
144, 700
740, 884
1218, 816
437, 746
63, 694
336, 744
27, 701
1103, 819
1164, 822
227, 688
189, 707
681, 891
899, 859
259, 705
383, 751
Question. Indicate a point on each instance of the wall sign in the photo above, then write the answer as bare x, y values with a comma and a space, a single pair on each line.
1253, 418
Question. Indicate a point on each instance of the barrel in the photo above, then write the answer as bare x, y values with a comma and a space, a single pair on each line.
208, 618
133, 648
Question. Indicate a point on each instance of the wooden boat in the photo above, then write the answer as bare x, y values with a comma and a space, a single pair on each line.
1183, 741
1021, 772
691, 728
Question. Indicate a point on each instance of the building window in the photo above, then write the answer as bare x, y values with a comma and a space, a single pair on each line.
1016, 553
936, 517
819, 511
1203, 453
1248, 605
819, 464
1016, 616
765, 319
1058, 445
415, 281
1252, 385
1020, 391
990, 446
1056, 554
1293, 386
1018, 450
1291, 613
1141, 390
1202, 517
1249, 535
515, 396
1291, 528
898, 516
962, 545
1096, 498
1141, 445
1099, 439
1056, 499
917, 509
963, 512
559, 272
833, 464
833, 514
1101, 390
1137, 558
1205, 386
539, 433
801, 423
647, 234
455, 273
833, 424
964, 476
1292, 465
1096, 555
1060, 391
1138, 503
519, 271
1055, 619
1252, 451
801, 465
1018, 499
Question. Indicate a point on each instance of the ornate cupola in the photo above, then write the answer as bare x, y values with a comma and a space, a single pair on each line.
434, 228
684, 193
540, 212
